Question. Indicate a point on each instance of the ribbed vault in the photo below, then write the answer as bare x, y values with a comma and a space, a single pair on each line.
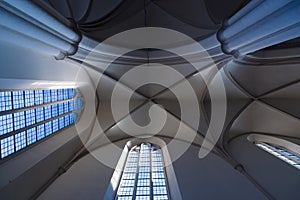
259, 97
262, 88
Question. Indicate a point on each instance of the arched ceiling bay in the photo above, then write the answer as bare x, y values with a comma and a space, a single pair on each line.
100, 19
256, 77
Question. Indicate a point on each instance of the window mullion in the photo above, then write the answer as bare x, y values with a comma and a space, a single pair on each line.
25, 122
136, 175
13, 122
33, 125
36, 131
150, 178
151, 183
33, 107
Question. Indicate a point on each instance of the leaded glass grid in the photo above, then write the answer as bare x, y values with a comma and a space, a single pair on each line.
144, 175
28, 116
281, 153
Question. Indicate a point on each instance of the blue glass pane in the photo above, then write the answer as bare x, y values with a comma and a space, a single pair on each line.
128, 176
67, 120
7, 146
144, 169
39, 114
78, 94
128, 183
80, 103
296, 157
60, 94
55, 125
47, 111
54, 110
18, 99
5, 101
125, 191
38, 97
143, 182
71, 105
286, 152
72, 118
31, 135
77, 104
20, 140
19, 120
66, 94
71, 93
124, 198
158, 182
30, 117
159, 190
66, 107
156, 168
29, 98
53, 95
47, 96
60, 109
142, 198
144, 176
61, 122
48, 128
6, 124
160, 197
143, 191
40, 130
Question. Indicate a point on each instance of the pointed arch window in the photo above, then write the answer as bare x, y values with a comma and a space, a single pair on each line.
281, 153
144, 176
29, 116
283, 149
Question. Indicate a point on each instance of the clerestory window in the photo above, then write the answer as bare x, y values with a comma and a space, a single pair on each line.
144, 176
29, 116
281, 153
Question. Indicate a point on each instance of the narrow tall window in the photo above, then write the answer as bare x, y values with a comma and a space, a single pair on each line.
144, 176
28, 116
281, 153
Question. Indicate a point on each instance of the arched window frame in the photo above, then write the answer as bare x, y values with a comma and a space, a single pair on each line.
171, 180
284, 150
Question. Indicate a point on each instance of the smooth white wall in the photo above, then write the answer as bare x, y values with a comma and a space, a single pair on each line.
23, 63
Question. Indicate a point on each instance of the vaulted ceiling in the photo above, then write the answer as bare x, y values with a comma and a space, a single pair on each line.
103, 18
249, 85
261, 88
